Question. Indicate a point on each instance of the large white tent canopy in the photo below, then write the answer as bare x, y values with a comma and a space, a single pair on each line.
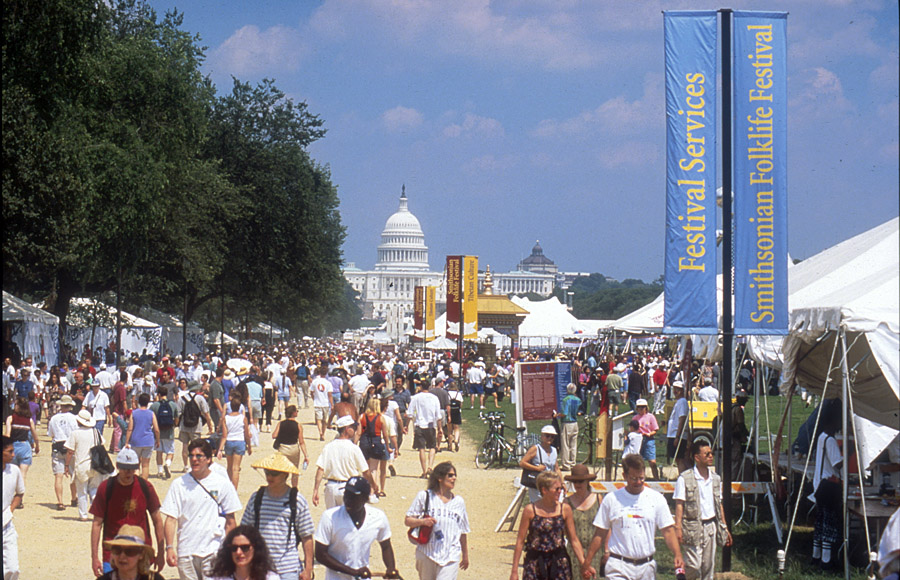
35, 331
91, 318
851, 288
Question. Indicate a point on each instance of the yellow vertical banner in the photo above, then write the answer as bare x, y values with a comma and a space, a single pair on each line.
470, 297
429, 312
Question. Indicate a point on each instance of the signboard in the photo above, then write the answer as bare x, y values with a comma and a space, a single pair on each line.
541, 387
454, 295
418, 310
760, 173
690, 264
470, 297
429, 312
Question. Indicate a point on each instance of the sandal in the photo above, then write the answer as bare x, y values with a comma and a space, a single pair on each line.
381, 494
60, 507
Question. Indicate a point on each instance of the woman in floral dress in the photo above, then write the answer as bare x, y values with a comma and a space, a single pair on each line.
545, 525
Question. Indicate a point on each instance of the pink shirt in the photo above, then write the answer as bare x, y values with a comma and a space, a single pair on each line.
648, 423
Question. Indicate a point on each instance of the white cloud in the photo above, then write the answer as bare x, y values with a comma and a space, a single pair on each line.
401, 119
475, 125
820, 94
617, 115
253, 51
552, 36
628, 154
489, 163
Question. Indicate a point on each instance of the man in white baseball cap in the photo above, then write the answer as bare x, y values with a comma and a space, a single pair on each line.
340, 460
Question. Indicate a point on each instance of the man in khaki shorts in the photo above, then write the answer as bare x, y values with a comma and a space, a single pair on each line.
191, 426
322, 401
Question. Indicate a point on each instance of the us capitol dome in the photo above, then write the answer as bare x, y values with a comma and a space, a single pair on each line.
387, 292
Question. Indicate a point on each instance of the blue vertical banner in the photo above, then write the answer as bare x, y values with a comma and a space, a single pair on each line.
690, 272
760, 172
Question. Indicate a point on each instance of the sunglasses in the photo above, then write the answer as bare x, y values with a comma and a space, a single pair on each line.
130, 552
242, 547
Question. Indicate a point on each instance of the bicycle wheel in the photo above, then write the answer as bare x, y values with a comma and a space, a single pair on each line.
485, 455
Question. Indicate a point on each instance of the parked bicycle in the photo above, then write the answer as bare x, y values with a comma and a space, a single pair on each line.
496, 449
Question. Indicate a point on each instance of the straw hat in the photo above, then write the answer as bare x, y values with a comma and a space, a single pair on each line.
129, 536
85, 419
580, 472
276, 462
66, 401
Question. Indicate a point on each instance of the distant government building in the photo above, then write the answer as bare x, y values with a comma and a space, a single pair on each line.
387, 291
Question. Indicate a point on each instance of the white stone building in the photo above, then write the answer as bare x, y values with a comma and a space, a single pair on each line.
387, 292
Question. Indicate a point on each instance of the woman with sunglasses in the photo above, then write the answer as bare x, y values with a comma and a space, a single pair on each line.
541, 457
447, 550
243, 555
130, 556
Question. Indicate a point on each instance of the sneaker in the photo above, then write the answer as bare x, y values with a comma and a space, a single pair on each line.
166, 471
482, 406
373, 498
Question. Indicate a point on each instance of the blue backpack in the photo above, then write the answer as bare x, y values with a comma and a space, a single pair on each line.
164, 415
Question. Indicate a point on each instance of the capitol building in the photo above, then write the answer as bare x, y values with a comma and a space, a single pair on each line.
386, 293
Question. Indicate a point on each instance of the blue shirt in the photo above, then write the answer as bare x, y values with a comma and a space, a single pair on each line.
570, 405
254, 391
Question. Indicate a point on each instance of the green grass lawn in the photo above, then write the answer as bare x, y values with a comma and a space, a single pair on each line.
755, 546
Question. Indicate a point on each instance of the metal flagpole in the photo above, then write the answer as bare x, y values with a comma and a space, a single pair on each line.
727, 323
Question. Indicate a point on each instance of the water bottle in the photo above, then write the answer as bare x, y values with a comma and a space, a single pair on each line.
305, 464
679, 574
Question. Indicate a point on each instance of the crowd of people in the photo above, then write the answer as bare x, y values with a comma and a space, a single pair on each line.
215, 406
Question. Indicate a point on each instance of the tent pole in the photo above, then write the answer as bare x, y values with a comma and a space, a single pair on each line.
845, 398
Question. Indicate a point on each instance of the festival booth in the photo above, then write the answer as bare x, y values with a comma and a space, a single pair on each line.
92, 323
35, 331
171, 327
216, 338
550, 324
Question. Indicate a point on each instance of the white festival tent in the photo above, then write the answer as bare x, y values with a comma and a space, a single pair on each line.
137, 333
847, 295
35, 331
171, 331
213, 338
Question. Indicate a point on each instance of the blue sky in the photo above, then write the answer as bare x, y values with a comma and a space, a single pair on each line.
519, 120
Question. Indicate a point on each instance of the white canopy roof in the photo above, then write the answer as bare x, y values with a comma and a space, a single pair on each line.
89, 303
549, 318
646, 319
15, 309
854, 286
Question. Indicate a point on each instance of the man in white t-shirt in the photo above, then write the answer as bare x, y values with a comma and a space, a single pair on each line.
708, 393
425, 413
321, 389
358, 385
339, 461
345, 535
199, 509
630, 517
97, 402
13, 492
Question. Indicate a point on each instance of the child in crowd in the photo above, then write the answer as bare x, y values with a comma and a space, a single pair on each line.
634, 439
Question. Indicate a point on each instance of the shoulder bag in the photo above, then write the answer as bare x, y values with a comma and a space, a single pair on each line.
420, 535
100, 461
529, 477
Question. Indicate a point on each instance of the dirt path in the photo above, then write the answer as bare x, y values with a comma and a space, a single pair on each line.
55, 544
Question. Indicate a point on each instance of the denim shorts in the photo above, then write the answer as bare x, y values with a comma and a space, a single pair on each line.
235, 448
648, 449
23, 453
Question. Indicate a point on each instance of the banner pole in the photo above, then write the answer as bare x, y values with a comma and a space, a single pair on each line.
727, 322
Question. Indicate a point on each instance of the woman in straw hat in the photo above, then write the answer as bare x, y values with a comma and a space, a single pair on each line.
131, 556
584, 504
289, 441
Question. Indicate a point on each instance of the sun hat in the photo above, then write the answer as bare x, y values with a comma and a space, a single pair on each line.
127, 459
678, 385
276, 462
85, 419
548, 430
66, 401
580, 472
358, 486
228, 374
641, 403
344, 421
148, 380
129, 536
620, 367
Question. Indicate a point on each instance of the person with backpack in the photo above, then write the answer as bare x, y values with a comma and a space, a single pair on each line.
165, 411
143, 433
124, 500
282, 516
193, 413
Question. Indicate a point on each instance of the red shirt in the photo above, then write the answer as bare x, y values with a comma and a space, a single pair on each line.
126, 506
660, 376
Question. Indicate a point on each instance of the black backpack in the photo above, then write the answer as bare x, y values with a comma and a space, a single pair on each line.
190, 416
164, 415
292, 500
